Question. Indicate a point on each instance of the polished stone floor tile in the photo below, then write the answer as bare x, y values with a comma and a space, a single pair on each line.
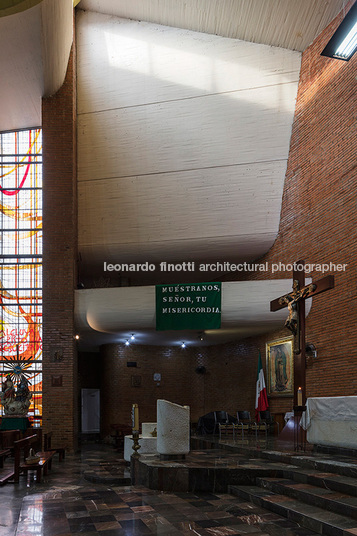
66, 504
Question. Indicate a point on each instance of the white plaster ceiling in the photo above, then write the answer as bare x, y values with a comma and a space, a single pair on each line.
112, 315
291, 24
183, 140
35, 42
183, 137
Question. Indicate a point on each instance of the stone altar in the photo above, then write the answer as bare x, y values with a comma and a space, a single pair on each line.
173, 429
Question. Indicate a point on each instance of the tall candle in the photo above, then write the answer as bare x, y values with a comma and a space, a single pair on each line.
299, 397
135, 417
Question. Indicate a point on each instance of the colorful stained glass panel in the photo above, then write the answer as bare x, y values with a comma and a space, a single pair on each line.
21, 261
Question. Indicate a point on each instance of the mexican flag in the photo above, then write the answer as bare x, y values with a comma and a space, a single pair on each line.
261, 399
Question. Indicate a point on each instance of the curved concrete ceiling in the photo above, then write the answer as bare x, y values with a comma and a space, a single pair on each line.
36, 37
183, 140
291, 24
183, 136
112, 315
10, 7
35, 43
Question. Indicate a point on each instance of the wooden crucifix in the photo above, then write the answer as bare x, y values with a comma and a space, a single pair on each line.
295, 301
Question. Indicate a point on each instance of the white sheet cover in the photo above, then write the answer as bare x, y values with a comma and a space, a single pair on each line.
331, 421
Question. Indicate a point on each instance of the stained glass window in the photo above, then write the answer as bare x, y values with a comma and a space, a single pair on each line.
21, 261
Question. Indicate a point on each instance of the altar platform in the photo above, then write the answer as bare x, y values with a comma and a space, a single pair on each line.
316, 488
277, 489
214, 465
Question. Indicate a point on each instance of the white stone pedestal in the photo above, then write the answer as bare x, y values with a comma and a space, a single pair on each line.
173, 429
146, 441
147, 444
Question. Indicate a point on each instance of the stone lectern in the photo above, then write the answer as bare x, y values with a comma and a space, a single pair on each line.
173, 430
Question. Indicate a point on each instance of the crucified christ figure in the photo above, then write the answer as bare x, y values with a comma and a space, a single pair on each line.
291, 300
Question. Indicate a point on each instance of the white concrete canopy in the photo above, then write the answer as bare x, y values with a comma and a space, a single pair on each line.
114, 314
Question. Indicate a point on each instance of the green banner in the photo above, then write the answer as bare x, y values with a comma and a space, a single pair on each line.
188, 306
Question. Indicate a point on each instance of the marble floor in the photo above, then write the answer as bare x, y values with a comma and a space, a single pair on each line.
65, 503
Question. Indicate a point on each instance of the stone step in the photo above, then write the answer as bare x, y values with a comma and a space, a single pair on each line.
331, 481
326, 465
308, 516
332, 501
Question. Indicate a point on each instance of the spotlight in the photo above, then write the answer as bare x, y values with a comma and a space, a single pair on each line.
343, 43
127, 343
76, 337
132, 338
183, 345
310, 350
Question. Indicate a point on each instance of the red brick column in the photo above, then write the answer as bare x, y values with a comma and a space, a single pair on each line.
60, 385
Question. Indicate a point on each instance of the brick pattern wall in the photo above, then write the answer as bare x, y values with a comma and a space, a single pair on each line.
60, 403
179, 381
318, 218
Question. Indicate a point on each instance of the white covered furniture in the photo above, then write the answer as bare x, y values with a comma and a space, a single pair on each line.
147, 441
173, 428
331, 421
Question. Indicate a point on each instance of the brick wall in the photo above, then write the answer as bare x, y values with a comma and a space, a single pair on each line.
179, 381
318, 218
60, 413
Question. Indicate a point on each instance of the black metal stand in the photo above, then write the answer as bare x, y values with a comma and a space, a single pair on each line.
299, 433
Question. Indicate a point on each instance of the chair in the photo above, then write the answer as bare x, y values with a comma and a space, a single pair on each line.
244, 422
223, 423
266, 422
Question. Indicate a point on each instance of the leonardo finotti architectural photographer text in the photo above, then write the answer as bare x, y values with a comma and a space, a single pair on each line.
192, 266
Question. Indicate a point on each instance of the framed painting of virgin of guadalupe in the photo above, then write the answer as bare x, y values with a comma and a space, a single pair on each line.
280, 367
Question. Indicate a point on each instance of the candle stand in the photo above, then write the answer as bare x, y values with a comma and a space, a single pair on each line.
136, 445
299, 433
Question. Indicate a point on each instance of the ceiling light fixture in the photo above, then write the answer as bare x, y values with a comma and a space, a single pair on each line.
132, 338
183, 345
343, 43
127, 343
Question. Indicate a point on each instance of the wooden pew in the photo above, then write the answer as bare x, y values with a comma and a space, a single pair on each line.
7, 439
5, 474
22, 449
47, 446
4, 453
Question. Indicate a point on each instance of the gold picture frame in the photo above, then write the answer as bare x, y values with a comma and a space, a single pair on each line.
280, 367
